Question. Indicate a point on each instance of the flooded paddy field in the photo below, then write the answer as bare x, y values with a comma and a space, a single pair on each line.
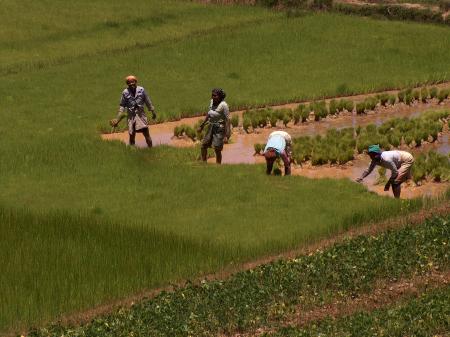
240, 150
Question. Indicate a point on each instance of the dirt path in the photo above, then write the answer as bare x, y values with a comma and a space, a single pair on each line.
369, 229
383, 295
434, 8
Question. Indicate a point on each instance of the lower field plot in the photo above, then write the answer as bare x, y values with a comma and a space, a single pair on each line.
273, 299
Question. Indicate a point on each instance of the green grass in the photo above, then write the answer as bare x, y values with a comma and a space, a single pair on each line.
61, 76
267, 294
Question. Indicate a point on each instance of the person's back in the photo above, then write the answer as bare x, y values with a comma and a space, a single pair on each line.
277, 141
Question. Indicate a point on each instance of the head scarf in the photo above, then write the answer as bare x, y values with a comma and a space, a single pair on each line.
130, 78
374, 148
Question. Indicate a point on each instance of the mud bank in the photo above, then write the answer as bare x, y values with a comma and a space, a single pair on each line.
240, 150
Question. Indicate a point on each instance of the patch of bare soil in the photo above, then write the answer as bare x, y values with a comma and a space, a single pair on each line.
383, 295
369, 229
401, 4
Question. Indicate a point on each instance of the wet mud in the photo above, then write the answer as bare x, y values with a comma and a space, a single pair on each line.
240, 150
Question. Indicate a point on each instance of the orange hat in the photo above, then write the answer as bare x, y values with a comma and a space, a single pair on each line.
130, 78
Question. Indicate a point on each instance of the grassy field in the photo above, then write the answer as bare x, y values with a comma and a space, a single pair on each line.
61, 76
268, 296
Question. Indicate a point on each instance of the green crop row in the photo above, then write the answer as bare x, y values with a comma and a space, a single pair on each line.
432, 165
338, 146
261, 118
256, 297
426, 315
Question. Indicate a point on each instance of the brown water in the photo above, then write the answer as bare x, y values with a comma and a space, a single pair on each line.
240, 150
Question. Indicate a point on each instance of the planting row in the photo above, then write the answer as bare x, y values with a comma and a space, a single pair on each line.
256, 297
254, 119
427, 315
339, 146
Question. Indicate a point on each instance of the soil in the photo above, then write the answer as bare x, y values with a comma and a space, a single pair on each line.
240, 149
369, 229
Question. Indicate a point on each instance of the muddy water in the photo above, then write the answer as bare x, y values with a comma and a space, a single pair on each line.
240, 150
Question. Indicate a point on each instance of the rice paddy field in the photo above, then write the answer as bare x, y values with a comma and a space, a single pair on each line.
85, 222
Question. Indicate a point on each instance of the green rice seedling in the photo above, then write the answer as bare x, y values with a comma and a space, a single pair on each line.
255, 121
246, 123
443, 95
384, 99
382, 179
370, 103
258, 148
371, 128
273, 119
190, 132
394, 138
360, 108
286, 120
262, 120
392, 99
433, 92
401, 96
234, 121
333, 107
415, 95
409, 139
345, 104
408, 99
281, 113
296, 116
424, 93
304, 112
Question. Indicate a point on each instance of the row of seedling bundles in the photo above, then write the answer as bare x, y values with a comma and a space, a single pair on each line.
340, 146
254, 119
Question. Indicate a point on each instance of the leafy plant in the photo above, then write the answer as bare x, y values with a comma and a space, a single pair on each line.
234, 121
433, 92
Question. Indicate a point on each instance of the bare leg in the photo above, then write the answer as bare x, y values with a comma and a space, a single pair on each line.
218, 156
396, 189
287, 163
269, 166
148, 139
204, 153
132, 138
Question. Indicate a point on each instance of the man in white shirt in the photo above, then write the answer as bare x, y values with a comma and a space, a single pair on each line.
399, 162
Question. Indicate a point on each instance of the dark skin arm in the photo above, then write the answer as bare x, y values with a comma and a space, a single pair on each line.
200, 128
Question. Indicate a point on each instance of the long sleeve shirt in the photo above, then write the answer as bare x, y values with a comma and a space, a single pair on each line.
134, 103
391, 160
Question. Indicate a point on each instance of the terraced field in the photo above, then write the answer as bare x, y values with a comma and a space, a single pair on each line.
86, 222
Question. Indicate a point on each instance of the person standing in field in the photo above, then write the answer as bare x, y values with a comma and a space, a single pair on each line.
399, 162
133, 100
278, 145
219, 129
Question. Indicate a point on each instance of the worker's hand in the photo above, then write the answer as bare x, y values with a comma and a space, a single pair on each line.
153, 115
225, 140
114, 122
200, 129
359, 180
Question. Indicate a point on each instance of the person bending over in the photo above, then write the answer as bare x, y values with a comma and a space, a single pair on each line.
399, 162
278, 145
